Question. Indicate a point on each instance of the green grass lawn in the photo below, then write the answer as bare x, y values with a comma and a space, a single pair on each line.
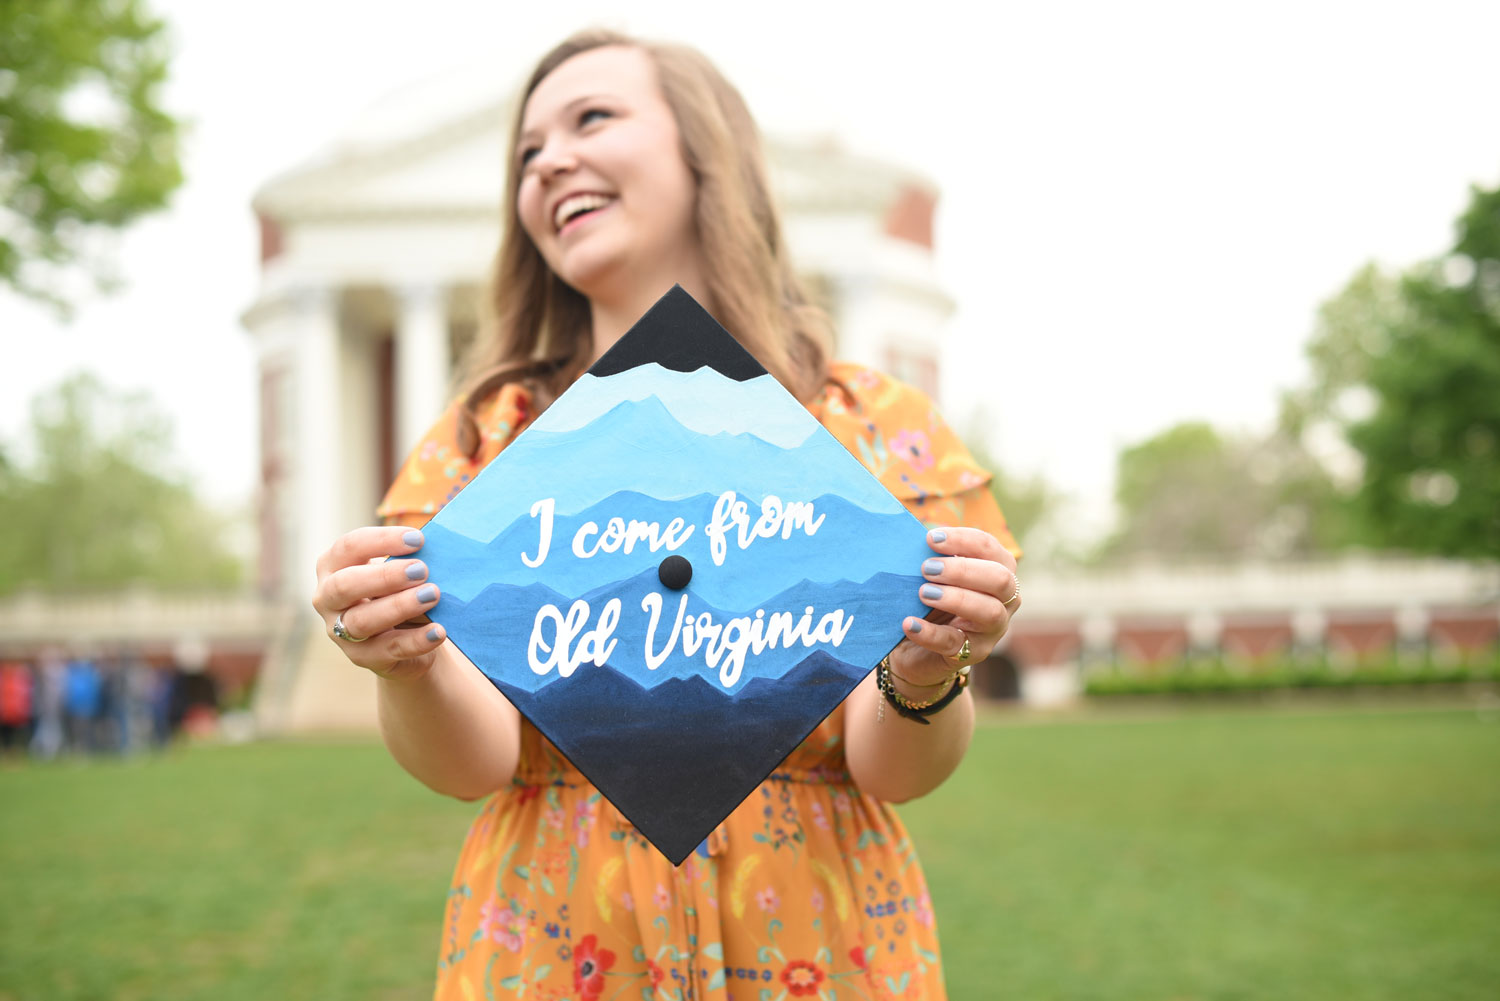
1232, 855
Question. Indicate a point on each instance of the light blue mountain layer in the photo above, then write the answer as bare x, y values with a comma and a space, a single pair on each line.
702, 401
641, 447
849, 544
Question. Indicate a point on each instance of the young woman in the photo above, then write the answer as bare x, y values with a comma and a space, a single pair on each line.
637, 166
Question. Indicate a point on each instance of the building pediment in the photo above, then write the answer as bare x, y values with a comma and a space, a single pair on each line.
456, 166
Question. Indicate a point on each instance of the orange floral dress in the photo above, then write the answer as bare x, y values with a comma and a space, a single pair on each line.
809, 889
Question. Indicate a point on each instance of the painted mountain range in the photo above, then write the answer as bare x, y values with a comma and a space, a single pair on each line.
681, 461
677, 443
677, 755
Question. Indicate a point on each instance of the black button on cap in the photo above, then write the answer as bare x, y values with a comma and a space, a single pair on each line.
675, 572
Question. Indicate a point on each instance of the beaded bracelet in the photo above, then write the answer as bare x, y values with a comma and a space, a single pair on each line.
916, 711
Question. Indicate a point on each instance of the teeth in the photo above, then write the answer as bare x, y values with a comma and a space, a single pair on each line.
578, 203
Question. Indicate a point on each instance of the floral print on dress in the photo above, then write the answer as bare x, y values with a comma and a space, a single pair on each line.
590, 964
802, 978
810, 889
502, 924
913, 448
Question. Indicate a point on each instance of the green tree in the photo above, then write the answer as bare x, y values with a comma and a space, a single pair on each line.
1431, 446
1029, 503
1352, 328
93, 505
1191, 492
84, 144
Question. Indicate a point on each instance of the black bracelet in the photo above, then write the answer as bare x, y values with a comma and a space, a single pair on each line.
898, 702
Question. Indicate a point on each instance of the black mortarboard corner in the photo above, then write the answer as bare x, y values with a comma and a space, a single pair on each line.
675, 573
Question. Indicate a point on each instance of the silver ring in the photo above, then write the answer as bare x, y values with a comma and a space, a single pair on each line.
342, 631
1014, 595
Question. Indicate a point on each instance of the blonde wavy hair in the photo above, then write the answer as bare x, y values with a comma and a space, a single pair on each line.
536, 329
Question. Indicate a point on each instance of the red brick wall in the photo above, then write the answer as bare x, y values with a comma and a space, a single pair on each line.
1359, 636
1256, 638
910, 216
1038, 644
1460, 635
271, 243
1150, 643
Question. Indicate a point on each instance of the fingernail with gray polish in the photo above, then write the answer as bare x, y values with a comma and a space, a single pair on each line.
932, 567
938, 535
434, 634
414, 539
931, 592
916, 625
426, 593
416, 571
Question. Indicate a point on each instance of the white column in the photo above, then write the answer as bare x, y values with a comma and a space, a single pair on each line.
1412, 625
423, 364
317, 435
1205, 630
1096, 632
1309, 629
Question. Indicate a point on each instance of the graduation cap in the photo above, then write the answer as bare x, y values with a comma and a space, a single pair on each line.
675, 573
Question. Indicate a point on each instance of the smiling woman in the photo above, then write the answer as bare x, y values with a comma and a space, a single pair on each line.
605, 195
656, 133
637, 167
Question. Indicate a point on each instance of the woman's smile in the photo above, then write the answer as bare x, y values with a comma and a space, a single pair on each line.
575, 209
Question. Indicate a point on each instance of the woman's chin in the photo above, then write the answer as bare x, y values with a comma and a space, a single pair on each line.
586, 263
600, 279
606, 273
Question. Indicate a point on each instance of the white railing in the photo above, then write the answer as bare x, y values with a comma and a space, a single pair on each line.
135, 617
1354, 583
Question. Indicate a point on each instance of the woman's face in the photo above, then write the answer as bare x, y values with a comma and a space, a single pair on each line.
605, 194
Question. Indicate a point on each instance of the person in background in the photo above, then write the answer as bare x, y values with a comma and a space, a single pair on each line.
635, 167
47, 741
140, 685
17, 706
83, 698
163, 697
110, 724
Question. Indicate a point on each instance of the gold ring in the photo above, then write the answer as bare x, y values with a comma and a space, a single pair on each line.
963, 651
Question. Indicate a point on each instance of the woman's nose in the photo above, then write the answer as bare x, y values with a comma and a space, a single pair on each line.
556, 157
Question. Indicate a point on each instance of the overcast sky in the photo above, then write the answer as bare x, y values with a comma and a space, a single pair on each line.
1142, 204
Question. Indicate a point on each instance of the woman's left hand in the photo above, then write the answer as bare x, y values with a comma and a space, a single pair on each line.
972, 589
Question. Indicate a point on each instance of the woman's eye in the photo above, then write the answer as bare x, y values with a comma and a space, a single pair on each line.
592, 115
528, 154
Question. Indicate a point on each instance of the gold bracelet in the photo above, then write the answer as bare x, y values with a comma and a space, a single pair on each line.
959, 678
939, 684
916, 711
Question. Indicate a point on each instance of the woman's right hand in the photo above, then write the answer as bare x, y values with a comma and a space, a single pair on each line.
383, 604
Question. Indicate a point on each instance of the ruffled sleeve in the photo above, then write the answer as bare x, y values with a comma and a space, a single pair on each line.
437, 469
897, 433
